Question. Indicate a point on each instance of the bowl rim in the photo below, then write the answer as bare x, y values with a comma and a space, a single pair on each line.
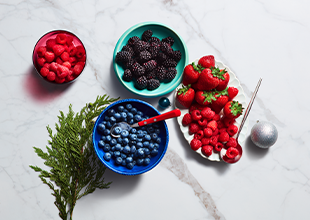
117, 48
33, 53
107, 163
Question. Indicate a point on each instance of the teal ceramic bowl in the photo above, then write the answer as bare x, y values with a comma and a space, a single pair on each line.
161, 31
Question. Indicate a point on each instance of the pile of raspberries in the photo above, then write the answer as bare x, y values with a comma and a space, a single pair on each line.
148, 61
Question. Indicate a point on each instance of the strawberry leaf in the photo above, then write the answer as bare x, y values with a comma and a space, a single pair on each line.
184, 89
209, 96
216, 72
236, 108
198, 67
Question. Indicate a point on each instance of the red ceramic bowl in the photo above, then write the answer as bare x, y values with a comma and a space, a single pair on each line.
59, 57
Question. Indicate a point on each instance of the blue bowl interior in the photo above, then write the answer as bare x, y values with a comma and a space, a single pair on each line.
148, 110
161, 31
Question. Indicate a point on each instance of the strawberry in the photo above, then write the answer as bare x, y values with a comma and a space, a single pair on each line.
223, 82
232, 92
232, 152
204, 97
233, 109
191, 73
207, 61
209, 79
207, 150
185, 96
195, 144
212, 124
187, 119
219, 104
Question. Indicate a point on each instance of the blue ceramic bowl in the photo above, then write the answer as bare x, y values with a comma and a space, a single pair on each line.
148, 110
161, 31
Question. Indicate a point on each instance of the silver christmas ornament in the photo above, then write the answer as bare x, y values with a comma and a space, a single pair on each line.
264, 134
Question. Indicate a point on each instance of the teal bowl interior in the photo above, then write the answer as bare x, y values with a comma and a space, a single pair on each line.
161, 31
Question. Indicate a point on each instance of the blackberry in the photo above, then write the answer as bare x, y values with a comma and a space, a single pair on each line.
161, 57
137, 70
154, 49
127, 75
133, 40
155, 40
153, 84
150, 65
129, 64
176, 55
141, 46
165, 48
128, 48
171, 73
161, 73
168, 40
146, 36
169, 63
141, 82
151, 74
122, 57
144, 56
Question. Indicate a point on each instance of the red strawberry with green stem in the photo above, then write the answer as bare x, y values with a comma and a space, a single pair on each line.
207, 61
233, 109
191, 73
209, 79
204, 97
223, 82
221, 100
232, 92
186, 95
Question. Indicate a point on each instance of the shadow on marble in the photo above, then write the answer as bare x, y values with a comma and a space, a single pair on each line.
252, 151
39, 89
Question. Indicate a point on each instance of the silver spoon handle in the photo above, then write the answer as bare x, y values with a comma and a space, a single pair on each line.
249, 107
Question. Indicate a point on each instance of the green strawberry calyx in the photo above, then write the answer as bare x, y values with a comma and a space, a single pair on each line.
216, 72
221, 93
236, 108
209, 96
198, 67
184, 89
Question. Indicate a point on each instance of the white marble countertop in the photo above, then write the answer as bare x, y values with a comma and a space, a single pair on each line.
268, 39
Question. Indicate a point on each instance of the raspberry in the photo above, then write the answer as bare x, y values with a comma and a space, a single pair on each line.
220, 124
41, 61
146, 36
44, 71
59, 61
62, 71
77, 69
72, 50
70, 77
141, 82
51, 76
61, 39
202, 122
47, 65
196, 116
170, 74
232, 152
41, 51
161, 73
218, 147
53, 67
144, 56
212, 124
196, 106
168, 40
127, 75
153, 84
72, 60
213, 140
67, 64
193, 127
228, 121
195, 144
232, 142
221, 129
198, 135
215, 132
150, 65
137, 70
59, 79
207, 113
58, 49
169, 63
232, 130
81, 64
207, 132
187, 119
80, 51
64, 56
223, 137
205, 141
69, 41
49, 56
207, 150
216, 117
50, 43
133, 40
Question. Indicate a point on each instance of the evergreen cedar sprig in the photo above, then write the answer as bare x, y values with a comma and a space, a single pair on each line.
74, 166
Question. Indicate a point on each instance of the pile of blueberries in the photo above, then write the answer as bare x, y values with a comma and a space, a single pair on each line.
131, 147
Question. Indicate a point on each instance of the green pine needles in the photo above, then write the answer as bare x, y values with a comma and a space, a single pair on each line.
75, 168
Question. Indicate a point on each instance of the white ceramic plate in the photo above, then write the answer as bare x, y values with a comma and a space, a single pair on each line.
240, 98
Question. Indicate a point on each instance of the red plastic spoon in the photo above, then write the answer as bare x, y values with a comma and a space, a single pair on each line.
125, 126
239, 148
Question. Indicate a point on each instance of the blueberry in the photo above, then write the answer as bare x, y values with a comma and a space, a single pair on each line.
158, 140
107, 147
139, 145
117, 130
129, 165
118, 147
106, 118
117, 116
131, 121
134, 111
132, 143
124, 163
146, 144
119, 140
140, 161
139, 132
113, 142
133, 137
113, 148
129, 115
134, 162
124, 133
104, 122
139, 139
147, 137
156, 146
125, 141
138, 118
123, 115
120, 108
111, 112
154, 136
107, 156
103, 138
157, 131
108, 125
126, 111
101, 127
126, 149
108, 138
129, 160
146, 151
106, 132
140, 113
129, 106
119, 160
133, 149
150, 130
151, 146
101, 144
156, 125
117, 153
123, 155
146, 161
112, 120
140, 152
154, 152
133, 131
